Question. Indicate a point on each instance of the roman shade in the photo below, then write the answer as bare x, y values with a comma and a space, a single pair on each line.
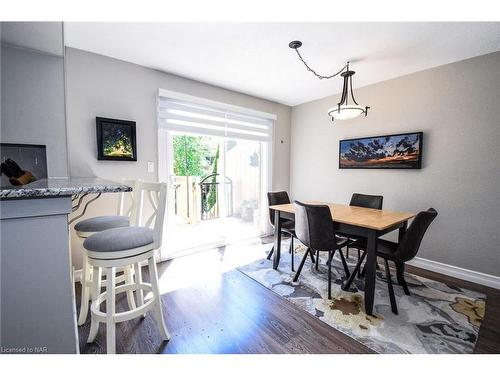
190, 117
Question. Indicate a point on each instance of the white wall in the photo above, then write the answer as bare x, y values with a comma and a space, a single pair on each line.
102, 86
457, 108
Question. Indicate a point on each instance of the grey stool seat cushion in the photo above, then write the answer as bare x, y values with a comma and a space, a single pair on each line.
119, 239
100, 223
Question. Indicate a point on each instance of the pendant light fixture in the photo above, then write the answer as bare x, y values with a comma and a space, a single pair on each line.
348, 108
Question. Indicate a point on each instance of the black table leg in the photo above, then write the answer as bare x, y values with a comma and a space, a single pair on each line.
371, 270
277, 239
400, 267
402, 231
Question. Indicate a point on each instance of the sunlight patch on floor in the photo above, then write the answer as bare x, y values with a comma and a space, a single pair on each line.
182, 237
205, 268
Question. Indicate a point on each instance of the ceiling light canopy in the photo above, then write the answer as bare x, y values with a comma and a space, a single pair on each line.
347, 108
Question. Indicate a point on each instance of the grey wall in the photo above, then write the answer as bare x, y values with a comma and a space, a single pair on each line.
102, 86
457, 108
32, 100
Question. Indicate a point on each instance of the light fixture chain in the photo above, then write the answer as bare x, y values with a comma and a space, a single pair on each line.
319, 75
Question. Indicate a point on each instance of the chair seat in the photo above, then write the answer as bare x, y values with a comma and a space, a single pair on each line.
343, 237
341, 242
385, 249
100, 223
119, 240
287, 224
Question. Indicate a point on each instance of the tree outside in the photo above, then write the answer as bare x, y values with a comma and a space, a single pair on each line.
191, 156
212, 194
194, 156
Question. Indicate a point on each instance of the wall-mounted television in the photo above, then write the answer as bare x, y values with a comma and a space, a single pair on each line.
396, 151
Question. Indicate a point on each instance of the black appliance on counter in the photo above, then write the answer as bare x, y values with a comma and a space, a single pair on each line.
22, 164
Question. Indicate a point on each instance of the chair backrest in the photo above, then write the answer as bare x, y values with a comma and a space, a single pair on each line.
314, 226
156, 195
367, 201
412, 239
131, 207
275, 198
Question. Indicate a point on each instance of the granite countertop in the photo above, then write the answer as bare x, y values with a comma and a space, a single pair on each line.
58, 187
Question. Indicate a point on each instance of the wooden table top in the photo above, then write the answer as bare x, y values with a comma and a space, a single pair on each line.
359, 216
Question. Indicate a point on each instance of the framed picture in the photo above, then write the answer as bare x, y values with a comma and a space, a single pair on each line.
398, 151
116, 139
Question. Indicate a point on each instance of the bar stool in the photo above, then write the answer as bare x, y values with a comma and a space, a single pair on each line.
126, 247
90, 226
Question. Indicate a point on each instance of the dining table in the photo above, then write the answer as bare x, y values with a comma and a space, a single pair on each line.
351, 220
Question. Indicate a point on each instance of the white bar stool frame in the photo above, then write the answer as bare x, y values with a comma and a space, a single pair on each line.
111, 261
87, 272
110, 317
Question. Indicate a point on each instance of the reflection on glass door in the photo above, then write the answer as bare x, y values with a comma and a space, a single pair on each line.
216, 191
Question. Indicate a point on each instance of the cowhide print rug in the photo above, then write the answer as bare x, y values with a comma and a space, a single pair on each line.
436, 318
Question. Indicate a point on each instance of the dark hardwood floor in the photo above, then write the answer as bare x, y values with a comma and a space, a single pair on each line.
210, 307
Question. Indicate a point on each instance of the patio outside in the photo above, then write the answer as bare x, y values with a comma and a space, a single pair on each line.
215, 193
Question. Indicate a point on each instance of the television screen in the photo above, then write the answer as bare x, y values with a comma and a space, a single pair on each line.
399, 151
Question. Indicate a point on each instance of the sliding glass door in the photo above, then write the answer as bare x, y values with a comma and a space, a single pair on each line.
217, 189
216, 161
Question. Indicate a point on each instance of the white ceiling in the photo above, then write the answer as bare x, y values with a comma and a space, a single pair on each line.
254, 58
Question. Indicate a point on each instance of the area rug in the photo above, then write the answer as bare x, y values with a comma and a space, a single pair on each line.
436, 318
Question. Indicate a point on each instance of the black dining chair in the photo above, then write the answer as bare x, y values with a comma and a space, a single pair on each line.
399, 253
314, 228
287, 225
366, 201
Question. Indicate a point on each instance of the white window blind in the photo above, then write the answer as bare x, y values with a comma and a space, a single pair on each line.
188, 117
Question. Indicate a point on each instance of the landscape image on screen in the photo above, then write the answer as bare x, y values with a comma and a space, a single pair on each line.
393, 151
117, 140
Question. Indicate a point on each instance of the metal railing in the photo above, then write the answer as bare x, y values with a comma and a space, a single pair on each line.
210, 196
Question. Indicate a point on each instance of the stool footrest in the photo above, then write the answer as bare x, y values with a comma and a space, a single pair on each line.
126, 315
119, 279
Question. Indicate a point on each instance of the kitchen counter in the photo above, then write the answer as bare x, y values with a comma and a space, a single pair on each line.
57, 187
37, 308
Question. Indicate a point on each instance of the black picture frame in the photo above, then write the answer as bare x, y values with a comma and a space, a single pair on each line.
105, 127
413, 164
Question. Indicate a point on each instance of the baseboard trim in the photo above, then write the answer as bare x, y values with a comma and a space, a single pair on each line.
460, 273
